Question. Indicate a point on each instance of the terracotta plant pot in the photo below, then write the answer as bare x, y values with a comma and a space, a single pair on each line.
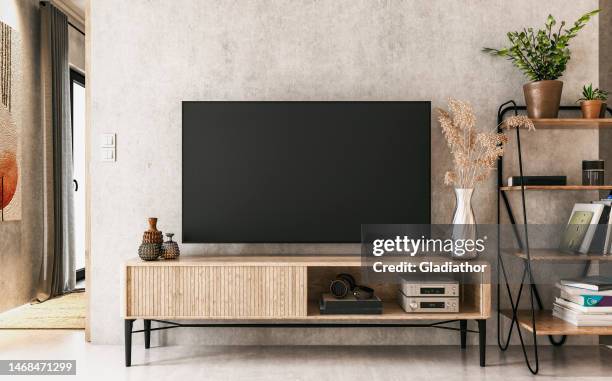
543, 98
591, 109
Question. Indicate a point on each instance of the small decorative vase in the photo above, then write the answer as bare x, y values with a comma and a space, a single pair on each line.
464, 224
170, 249
153, 235
149, 251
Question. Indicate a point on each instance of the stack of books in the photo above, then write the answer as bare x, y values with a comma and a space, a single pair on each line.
585, 302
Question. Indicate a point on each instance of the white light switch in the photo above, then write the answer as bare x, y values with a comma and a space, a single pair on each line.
108, 154
108, 147
108, 140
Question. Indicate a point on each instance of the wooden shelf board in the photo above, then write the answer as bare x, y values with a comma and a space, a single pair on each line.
392, 312
554, 255
559, 187
546, 324
572, 123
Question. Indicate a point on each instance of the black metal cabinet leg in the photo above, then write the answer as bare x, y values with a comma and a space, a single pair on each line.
463, 329
482, 340
147, 333
129, 323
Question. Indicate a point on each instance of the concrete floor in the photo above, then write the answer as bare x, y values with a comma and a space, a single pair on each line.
105, 362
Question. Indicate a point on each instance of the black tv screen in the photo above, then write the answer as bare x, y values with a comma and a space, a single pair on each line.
302, 172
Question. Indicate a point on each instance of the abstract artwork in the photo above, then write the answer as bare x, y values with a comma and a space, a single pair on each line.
10, 195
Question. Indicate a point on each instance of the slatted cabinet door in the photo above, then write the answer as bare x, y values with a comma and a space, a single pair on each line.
216, 292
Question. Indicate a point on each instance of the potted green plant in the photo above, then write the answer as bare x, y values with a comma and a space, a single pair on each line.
592, 102
542, 55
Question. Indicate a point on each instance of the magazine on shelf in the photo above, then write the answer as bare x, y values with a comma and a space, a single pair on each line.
585, 310
579, 319
588, 300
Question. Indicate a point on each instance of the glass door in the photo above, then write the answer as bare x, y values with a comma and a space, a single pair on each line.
77, 97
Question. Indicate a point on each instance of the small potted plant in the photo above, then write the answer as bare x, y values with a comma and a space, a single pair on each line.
542, 55
592, 102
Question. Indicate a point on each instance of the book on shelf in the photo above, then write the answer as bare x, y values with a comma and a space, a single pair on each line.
589, 310
329, 305
593, 283
584, 223
575, 291
581, 319
608, 240
601, 240
537, 180
588, 300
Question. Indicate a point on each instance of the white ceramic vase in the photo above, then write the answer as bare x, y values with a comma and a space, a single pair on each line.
464, 224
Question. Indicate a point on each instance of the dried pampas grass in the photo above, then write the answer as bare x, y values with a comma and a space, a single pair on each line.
474, 153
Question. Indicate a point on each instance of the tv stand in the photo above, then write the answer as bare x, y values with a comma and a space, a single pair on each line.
272, 291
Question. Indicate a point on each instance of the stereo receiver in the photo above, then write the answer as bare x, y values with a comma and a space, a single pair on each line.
428, 304
428, 285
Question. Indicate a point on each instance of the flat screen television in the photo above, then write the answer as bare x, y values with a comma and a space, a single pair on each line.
302, 172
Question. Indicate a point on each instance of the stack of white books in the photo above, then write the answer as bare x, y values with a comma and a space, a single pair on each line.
585, 302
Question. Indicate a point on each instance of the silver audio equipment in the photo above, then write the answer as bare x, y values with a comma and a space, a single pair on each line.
428, 285
428, 303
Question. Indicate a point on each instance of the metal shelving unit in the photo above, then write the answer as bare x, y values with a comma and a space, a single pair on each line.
536, 320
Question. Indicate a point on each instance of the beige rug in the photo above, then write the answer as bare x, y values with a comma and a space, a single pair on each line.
64, 312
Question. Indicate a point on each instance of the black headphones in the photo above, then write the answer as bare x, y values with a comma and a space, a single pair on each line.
345, 284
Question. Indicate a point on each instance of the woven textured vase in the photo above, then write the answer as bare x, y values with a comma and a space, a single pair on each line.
170, 249
149, 251
153, 235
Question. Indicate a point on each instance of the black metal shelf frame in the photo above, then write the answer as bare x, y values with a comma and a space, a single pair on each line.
534, 295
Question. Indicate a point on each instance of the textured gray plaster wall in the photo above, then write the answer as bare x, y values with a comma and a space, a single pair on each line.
20, 250
148, 56
605, 79
605, 45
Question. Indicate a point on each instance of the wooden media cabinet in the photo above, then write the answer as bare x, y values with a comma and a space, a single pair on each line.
273, 291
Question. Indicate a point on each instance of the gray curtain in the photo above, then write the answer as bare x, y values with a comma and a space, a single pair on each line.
57, 273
